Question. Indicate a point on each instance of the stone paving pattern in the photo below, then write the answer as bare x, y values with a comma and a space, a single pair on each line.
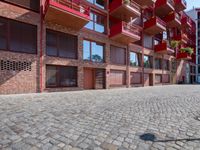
104, 119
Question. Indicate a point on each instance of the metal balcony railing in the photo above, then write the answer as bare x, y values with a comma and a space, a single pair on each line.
160, 21
131, 28
133, 5
171, 2
73, 4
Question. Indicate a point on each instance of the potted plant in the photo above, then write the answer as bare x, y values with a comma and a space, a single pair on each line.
188, 50
174, 44
127, 2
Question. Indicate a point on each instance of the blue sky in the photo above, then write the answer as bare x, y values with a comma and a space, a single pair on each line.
191, 3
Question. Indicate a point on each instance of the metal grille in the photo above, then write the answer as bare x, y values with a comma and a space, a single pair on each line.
15, 65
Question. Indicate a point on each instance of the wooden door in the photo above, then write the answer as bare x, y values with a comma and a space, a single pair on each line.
88, 78
146, 79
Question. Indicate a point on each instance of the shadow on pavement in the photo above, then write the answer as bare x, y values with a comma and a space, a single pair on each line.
151, 137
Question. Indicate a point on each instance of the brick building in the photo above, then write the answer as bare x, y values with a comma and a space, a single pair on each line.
61, 45
195, 15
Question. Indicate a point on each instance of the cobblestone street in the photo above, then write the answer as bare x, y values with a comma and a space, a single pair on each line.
155, 118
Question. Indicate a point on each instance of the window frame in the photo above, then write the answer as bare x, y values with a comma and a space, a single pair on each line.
58, 85
58, 33
23, 6
8, 36
150, 62
138, 58
90, 49
160, 67
94, 22
115, 60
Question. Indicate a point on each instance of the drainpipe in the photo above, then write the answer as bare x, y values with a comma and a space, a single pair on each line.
41, 49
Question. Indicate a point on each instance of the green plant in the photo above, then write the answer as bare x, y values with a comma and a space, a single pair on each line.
127, 2
188, 50
174, 43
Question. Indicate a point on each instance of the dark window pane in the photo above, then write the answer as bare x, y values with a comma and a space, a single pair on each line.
51, 43
23, 37
30, 4
3, 34
118, 55
68, 46
166, 64
51, 76
68, 76
61, 44
147, 62
158, 64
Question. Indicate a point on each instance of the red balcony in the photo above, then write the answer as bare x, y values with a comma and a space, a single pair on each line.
154, 26
124, 11
164, 7
181, 37
180, 5
184, 56
145, 3
67, 13
163, 48
186, 22
173, 20
125, 33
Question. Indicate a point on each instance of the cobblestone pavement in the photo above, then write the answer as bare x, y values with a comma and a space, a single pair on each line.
152, 118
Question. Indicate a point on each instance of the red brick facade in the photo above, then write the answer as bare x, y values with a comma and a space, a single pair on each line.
34, 79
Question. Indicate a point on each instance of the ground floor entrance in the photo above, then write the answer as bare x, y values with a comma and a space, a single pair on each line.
94, 78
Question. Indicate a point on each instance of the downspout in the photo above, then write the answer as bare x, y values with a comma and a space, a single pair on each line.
41, 49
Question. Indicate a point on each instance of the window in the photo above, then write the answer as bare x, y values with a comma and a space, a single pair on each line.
18, 36
166, 64
61, 44
158, 63
198, 69
134, 59
99, 3
97, 23
147, 61
3, 33
61, 76
93, 51
118, 55
30, 4
198, 60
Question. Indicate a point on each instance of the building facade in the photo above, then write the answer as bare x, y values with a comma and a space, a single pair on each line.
195, 15
61, 45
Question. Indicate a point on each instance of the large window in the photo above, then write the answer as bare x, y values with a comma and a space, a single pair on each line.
134, 59
30, 4
17, 36
61, 76
97, 23
117, 55
147, 61
166, 64
61, 44
158, 63
99, 3
93, 51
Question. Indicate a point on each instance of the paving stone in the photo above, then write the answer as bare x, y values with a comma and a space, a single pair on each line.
106, 119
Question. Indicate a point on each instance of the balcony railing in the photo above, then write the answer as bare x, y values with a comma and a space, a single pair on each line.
72, 4
131, 28
133, 5
171, 2
160, 21
154, 26
125, 32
